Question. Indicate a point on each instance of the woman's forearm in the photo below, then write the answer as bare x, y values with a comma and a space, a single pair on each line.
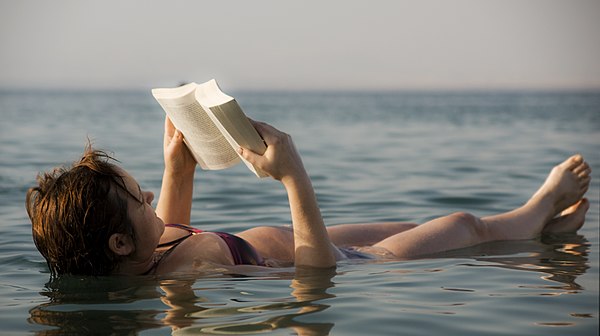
311, 241
175, 200
282, 161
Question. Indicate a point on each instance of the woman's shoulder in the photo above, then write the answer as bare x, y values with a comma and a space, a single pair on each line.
199, 251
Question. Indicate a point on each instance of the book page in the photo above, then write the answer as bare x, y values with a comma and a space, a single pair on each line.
238, 130
228, 116
209, 147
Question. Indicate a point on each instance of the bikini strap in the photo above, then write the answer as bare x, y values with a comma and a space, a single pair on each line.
172, 244
175, 241
184, 227
158, 258
189, 229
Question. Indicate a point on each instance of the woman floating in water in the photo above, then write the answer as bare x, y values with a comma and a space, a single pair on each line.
93, 219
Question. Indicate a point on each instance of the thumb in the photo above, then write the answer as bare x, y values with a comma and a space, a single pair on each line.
175, 140
249, 155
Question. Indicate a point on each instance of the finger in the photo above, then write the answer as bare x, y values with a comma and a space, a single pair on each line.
260, 125
270, 134
249, 155
174, 143
177, 136
169, 127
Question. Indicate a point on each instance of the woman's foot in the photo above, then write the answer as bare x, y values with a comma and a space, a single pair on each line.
565, 185
570, 220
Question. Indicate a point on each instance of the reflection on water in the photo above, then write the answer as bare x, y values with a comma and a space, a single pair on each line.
201, 306
559, 258
309, 286
81, 306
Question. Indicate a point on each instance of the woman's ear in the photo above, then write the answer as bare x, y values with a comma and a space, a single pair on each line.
121, 244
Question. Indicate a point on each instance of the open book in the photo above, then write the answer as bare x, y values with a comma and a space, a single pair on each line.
212, 123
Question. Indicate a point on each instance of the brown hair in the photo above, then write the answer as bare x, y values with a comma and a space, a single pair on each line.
74, 211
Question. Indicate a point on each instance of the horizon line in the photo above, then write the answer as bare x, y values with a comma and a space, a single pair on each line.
316, 90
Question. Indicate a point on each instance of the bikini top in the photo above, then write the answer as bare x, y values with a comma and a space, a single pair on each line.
242, 252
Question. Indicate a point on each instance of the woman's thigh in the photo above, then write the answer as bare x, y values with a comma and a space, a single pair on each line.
274, 242
446, 233
365, 234
277, 242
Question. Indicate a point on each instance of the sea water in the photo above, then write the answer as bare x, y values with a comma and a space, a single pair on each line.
372, 156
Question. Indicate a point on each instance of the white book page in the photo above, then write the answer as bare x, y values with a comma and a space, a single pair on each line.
209, 147
235, 144
231, 121
238, 131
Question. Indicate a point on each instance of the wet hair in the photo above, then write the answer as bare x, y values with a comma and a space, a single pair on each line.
74, 211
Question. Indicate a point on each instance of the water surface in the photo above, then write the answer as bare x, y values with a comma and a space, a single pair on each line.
408, 156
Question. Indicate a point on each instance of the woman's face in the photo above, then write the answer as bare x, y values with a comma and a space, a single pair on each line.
147, 226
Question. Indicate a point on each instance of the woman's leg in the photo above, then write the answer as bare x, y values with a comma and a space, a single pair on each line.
365, 234
278, 242
565, 186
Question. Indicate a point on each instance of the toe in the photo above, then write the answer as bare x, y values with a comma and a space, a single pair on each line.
573, 162
586, 182
585, 173
582, 204
583, 190
585, 203
585, 179
582, 168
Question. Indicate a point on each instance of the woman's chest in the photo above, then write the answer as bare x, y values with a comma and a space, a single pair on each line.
199, 252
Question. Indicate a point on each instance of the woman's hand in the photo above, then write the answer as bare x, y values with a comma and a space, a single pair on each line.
175, 201
178, 159
281, 159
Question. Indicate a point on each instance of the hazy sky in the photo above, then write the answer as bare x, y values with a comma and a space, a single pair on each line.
301, 44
